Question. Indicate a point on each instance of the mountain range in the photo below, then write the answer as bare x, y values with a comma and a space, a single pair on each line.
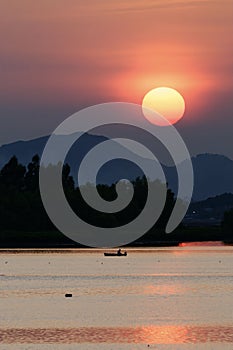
213, 173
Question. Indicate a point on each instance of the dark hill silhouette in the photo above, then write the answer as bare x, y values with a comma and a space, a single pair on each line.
213, 173
210, 210
224, 201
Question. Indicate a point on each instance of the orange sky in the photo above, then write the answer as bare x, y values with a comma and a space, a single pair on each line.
75, 53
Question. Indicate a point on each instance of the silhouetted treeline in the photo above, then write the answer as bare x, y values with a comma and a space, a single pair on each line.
20, 203
24, 222
227, 223
21, 208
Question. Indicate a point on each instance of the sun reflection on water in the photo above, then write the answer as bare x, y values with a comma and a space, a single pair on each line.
165, 334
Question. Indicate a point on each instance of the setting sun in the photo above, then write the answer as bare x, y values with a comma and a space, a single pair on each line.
167, 102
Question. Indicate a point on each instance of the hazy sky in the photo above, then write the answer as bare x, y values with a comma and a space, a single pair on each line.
58, 56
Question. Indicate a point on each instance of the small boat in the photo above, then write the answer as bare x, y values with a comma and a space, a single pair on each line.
115, 254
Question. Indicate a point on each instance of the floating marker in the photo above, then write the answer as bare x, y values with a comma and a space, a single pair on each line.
68, 295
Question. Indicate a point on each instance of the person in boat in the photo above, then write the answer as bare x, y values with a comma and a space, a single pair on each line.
119, 251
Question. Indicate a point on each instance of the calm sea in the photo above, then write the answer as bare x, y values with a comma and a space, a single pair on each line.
162, 298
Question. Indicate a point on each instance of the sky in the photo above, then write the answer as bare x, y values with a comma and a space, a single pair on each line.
59, 56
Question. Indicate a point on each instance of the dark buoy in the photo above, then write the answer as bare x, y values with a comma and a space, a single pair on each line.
68, 295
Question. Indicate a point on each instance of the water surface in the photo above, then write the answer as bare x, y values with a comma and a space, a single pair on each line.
169, 298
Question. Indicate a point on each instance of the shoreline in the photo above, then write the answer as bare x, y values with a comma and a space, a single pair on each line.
182, 246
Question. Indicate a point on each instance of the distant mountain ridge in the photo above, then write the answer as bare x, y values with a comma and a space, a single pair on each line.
213, 173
